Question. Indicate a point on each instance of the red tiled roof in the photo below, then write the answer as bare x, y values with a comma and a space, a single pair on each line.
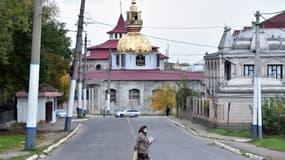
41, 94
144, 75
162, 56
113, 45
120, 27
275, 22
99, 54
109, 44
101, 51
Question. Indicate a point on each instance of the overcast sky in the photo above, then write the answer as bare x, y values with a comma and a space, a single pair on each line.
170, 13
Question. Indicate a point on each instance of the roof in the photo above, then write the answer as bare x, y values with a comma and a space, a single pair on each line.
109, 44
104, 54
140, 75
120, 27
101, 51
41, 94
99, 55
162, 56
275, 22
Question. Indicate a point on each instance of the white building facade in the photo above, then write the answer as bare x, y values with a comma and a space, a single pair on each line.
130, 67
229, 72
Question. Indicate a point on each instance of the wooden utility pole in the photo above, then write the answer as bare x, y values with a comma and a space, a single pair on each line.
78, 50
31, 125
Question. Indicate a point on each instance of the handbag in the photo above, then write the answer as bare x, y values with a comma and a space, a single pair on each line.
135, 155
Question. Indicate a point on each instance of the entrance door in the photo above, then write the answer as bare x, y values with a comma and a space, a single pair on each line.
48, 111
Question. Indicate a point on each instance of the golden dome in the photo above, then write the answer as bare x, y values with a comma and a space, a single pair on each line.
134, 42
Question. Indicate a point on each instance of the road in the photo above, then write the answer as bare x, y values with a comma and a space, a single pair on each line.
113, 139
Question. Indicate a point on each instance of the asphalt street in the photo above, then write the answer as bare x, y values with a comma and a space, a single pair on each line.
113, 139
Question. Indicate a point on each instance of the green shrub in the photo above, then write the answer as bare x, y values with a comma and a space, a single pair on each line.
273, 111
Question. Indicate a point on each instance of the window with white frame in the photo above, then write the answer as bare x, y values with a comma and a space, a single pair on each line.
134, 96
275, 71
248, 70
113, 94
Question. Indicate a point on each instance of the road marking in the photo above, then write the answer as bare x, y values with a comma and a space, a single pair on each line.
132, 128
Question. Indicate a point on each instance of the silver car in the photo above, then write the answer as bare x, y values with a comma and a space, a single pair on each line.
60, 113
128, 113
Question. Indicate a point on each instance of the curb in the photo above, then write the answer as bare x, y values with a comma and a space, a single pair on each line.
205, 136
238, 151
52, 147
219, 144
80, 120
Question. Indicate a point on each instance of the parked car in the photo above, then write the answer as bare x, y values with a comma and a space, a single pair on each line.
60, 113
128, 113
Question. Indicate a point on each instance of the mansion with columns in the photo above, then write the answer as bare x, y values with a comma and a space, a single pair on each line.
130, 68
229, 72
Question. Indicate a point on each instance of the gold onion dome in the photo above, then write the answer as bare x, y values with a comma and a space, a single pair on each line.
134, 41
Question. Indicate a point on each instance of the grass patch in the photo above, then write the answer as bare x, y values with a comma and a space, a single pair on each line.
275, 143
235, 133
21, 157
8, 142
271, 142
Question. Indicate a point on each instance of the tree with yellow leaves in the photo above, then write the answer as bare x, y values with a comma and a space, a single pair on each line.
163, 97
65, 83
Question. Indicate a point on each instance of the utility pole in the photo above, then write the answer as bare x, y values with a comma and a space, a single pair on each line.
84, 80
79, 90
109, 82
31, 126
257, 112
78, 49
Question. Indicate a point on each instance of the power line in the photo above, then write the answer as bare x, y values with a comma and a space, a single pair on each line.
182, 42
92, 21
155, 37
188, 55
188, 27
167, 27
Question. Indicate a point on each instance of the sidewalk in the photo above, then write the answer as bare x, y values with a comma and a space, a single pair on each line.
49, 133
234, 144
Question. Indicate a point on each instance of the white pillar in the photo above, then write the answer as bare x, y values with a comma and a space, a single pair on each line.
92, 99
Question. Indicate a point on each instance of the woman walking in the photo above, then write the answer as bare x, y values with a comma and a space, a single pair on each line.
142, 144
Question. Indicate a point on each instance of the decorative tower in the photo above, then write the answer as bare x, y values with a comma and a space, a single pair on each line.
134, 21
134, 41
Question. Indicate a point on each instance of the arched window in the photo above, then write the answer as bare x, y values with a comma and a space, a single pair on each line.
98, 67
140, 60
113, 95
134, 96
155, 90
